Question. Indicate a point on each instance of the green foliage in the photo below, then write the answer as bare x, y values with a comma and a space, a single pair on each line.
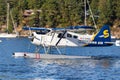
2, 12
105, 11
10, 29
116, 8
62, 13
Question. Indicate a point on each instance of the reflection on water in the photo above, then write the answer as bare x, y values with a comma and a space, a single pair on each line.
65, 69
73, 69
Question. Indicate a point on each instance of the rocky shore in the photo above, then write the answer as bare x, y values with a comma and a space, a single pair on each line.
116, 32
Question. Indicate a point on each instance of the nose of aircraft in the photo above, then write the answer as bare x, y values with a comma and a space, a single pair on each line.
31, 37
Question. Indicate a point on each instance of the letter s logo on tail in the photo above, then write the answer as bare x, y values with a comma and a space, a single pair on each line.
106, 33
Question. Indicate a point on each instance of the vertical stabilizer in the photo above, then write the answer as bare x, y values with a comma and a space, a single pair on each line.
103, 35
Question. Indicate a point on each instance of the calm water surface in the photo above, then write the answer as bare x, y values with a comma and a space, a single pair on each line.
105, 68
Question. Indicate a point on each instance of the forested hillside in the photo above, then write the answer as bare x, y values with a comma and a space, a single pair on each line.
61, 13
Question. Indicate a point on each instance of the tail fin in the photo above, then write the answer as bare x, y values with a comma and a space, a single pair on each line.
103, 35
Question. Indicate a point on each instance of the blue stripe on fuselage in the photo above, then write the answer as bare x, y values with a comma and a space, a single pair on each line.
98, 45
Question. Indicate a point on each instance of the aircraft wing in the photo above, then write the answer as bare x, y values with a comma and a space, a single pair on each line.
80, 27
33, 28
69, 28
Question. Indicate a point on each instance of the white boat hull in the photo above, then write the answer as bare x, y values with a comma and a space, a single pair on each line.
5, 35
117, 43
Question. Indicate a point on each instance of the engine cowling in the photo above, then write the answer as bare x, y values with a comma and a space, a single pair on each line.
36, 39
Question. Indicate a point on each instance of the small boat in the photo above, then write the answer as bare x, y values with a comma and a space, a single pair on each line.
117, 43
6, 35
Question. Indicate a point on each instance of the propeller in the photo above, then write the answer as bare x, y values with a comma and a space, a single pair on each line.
32, 37
61, 37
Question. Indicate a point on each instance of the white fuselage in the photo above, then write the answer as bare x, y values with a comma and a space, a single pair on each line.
54, 39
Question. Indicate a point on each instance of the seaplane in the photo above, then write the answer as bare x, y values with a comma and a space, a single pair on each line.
67, 37
61, 37
71, 36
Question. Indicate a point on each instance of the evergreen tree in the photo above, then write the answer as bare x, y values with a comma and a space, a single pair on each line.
2, 12
117, 9
105, 11
62, 13
116, 12
49, 12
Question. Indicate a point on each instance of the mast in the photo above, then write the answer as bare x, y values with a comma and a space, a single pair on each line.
86, 2
8, 6
91, 14
14, 25
85, 23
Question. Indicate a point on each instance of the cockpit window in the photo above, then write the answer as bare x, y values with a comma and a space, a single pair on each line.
69, 35
72, 36
75, 37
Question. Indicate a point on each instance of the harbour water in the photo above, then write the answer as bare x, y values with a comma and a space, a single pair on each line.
105, 65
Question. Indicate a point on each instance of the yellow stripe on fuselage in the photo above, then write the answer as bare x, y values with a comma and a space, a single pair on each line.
93, 37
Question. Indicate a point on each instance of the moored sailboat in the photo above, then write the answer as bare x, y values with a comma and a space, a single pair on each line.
7, 35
